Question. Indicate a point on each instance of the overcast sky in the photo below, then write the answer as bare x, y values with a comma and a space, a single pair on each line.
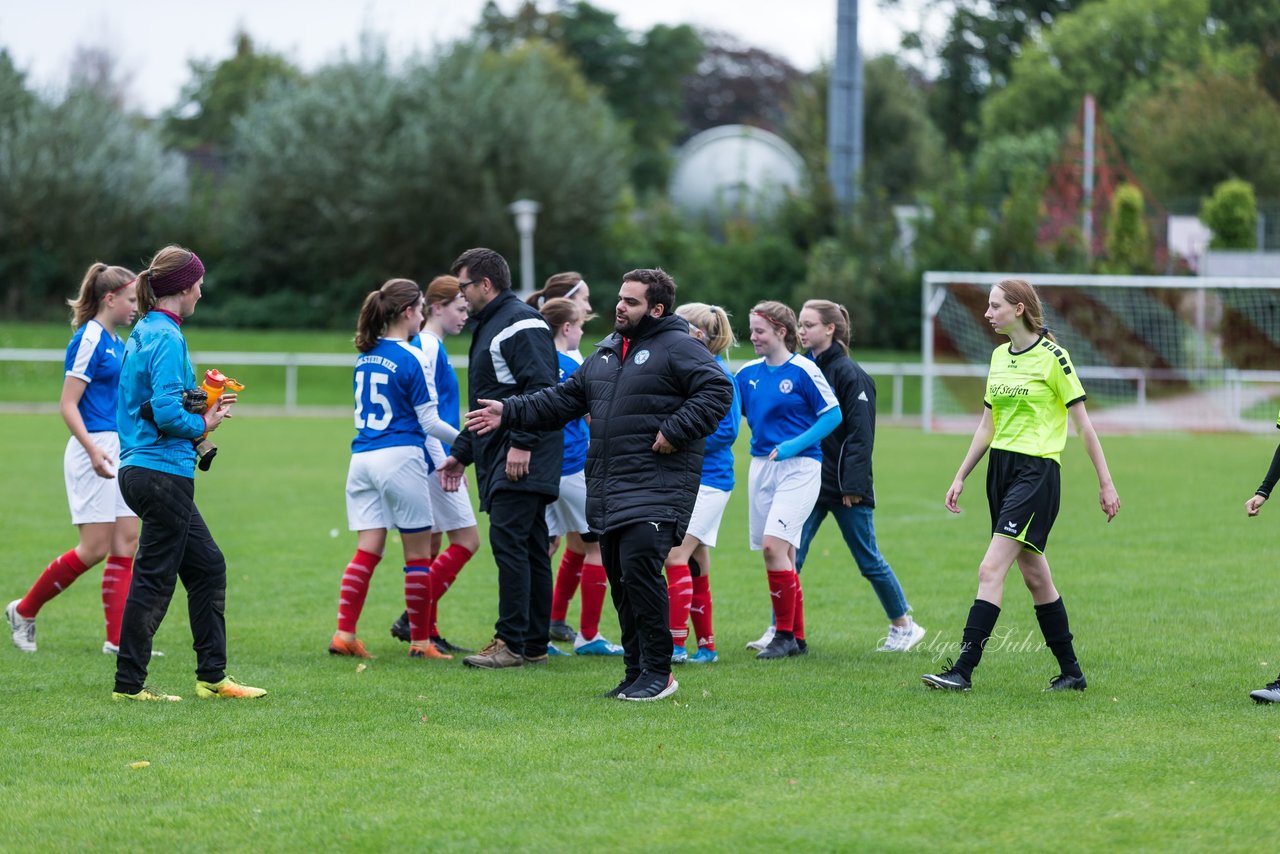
155, 39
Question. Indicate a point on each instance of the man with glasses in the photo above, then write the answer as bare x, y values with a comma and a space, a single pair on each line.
517, 471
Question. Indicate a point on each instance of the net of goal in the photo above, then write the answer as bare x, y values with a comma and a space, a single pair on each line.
1153, 352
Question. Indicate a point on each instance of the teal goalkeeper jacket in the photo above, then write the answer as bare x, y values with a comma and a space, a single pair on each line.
157, 368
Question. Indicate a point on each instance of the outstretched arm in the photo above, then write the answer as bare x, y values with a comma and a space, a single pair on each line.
1108, 498
977, 448
1263, 492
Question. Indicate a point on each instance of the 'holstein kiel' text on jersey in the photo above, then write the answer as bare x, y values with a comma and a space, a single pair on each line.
1028, 394
391, 397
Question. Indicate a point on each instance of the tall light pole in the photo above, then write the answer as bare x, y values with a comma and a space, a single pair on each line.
844, 109
526, 213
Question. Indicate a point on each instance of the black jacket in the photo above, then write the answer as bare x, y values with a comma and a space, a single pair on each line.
846, 452
512, 352
669, 381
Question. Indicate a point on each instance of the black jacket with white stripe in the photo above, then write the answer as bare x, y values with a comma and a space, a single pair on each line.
846, 452
512, 352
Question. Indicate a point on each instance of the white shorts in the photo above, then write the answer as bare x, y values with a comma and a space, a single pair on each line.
452, 510
781, 495
93, 499
708, 510
389, 488
568, 513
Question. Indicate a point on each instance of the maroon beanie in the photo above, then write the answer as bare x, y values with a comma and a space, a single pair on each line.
177, 281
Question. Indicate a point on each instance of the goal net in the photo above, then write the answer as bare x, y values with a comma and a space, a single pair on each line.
1153, 352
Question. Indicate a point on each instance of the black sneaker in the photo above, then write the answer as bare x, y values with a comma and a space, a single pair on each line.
1063, 682
649, 687
446, 647
948, 680
780, 647
400, 629
1269, 694
561, 631
626, 683
802, 646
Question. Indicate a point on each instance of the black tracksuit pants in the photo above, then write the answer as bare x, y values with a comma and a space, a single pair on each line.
174, 544
633, 556
518, 537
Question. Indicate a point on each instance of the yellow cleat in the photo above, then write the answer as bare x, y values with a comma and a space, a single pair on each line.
228, 688
146, 694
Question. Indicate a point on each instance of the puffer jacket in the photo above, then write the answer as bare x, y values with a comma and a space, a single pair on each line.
668, 381
846, 452
512, 352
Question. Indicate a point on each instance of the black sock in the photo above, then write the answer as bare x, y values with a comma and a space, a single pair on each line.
784, 635
1057, 635
977, 629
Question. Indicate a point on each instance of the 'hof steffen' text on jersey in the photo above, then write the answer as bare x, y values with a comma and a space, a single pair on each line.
1028, 393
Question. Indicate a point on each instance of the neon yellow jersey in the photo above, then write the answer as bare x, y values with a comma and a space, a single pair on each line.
1028, 394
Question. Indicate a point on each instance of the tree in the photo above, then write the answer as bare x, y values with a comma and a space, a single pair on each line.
1255, 23
79, 181
1128, 243
1232, 215
903, 149
1197, 130
981, 43
360, 173
1110, 50
219, 93
735, 83
642, 75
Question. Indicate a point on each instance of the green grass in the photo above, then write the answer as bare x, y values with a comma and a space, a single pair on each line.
1173, 607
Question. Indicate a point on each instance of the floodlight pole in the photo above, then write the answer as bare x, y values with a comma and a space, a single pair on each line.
844, 110
526, 213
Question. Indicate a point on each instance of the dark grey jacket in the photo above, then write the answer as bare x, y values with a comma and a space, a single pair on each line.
512, 352
846, 452
668, 381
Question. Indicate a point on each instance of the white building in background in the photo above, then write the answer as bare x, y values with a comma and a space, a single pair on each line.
734, 170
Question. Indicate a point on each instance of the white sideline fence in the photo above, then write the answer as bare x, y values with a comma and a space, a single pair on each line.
896, 372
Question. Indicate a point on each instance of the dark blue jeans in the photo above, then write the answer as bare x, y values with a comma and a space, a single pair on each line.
859, 532
174, 544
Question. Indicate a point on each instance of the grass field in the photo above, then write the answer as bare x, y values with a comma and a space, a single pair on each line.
1173, 605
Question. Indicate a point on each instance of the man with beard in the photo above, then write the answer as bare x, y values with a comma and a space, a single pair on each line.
654, 393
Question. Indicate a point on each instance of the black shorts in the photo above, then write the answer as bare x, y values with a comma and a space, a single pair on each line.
1023, 493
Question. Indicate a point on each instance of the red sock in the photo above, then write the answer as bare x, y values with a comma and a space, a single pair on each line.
799, 618
782, 587
355, 586
56, 577
594, 585
444, 569
116, 580
679, 597
700, 612
417, 597
567, 578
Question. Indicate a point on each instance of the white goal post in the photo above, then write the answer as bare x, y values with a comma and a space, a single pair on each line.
1153, 352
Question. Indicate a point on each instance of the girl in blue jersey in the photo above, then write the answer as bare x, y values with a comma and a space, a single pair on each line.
108, 528
158, 423
388, 479
847, 492
581, 567
446, 314
688, 564
790, 408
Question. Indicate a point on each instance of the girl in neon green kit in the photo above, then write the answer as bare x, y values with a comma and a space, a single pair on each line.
1031, 389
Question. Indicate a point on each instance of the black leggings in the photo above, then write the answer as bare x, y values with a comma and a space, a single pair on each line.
175, 544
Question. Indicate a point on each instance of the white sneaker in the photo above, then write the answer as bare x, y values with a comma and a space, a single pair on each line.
24, 630
765, 639
903, 638
108, 648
